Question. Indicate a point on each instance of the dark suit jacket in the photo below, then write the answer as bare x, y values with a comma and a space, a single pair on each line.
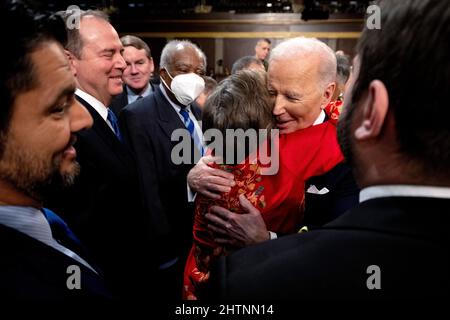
121, 100
343, 195
104, 207
147, 125
406, 237
31, 270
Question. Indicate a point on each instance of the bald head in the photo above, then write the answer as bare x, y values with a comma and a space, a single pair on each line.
307, 51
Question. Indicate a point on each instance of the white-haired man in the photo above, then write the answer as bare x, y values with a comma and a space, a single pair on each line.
301, 80
394, 244
148, 125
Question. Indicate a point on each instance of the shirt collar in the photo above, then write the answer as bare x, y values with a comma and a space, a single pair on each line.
384, 191
28, 220
174, 105
133, 96
320, 118
94, 102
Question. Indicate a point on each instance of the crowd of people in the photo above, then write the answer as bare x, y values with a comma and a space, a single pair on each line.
110, 183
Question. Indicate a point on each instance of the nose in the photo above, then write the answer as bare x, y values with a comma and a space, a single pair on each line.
133, 69
119, 62
79, 118
278, 108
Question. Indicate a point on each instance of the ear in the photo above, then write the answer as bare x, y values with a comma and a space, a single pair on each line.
152, 66
164, 75
72, 61
375, 108
327, 95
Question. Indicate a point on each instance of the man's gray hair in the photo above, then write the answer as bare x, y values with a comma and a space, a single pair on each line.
301, 48
170, 48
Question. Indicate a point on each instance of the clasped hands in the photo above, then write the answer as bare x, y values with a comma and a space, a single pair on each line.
229, 228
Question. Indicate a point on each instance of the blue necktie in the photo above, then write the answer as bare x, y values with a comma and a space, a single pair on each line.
191, 128
62, 233
64, 236
114, 124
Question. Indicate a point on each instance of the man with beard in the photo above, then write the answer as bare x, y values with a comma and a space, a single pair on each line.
394, 244
39, 117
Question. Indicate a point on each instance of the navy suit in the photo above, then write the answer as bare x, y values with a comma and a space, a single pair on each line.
406, 237
32, 270
147, 125
104, 208
121, 100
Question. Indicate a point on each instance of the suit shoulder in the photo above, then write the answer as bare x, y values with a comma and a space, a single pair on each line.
142, 106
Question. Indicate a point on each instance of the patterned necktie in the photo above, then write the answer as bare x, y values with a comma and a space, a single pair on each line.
191, 128
114, 124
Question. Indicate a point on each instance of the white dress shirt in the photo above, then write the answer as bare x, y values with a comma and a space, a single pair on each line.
385, 191
177, 108
101, 109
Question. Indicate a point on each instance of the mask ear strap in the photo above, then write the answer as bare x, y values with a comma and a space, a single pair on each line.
164, 82
167, 71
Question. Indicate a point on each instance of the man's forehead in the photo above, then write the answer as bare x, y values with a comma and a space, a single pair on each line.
181, 49
50, 58
185, 54
296, 64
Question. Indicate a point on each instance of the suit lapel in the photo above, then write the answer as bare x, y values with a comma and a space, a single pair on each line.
196, 111
168, 120
102, 130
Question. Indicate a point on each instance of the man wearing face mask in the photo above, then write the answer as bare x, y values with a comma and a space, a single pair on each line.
149, 125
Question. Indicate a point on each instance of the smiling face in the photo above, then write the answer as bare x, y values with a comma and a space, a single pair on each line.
100, 67
38, 145
139, 69
293, 83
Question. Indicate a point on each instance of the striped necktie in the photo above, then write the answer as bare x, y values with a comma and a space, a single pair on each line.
191, 128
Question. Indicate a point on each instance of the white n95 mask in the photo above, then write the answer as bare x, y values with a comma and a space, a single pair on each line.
186, 87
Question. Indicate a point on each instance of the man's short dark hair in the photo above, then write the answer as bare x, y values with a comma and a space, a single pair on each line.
410, 55
244, 63
342, 68
265, 40
136, 42
24, 31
